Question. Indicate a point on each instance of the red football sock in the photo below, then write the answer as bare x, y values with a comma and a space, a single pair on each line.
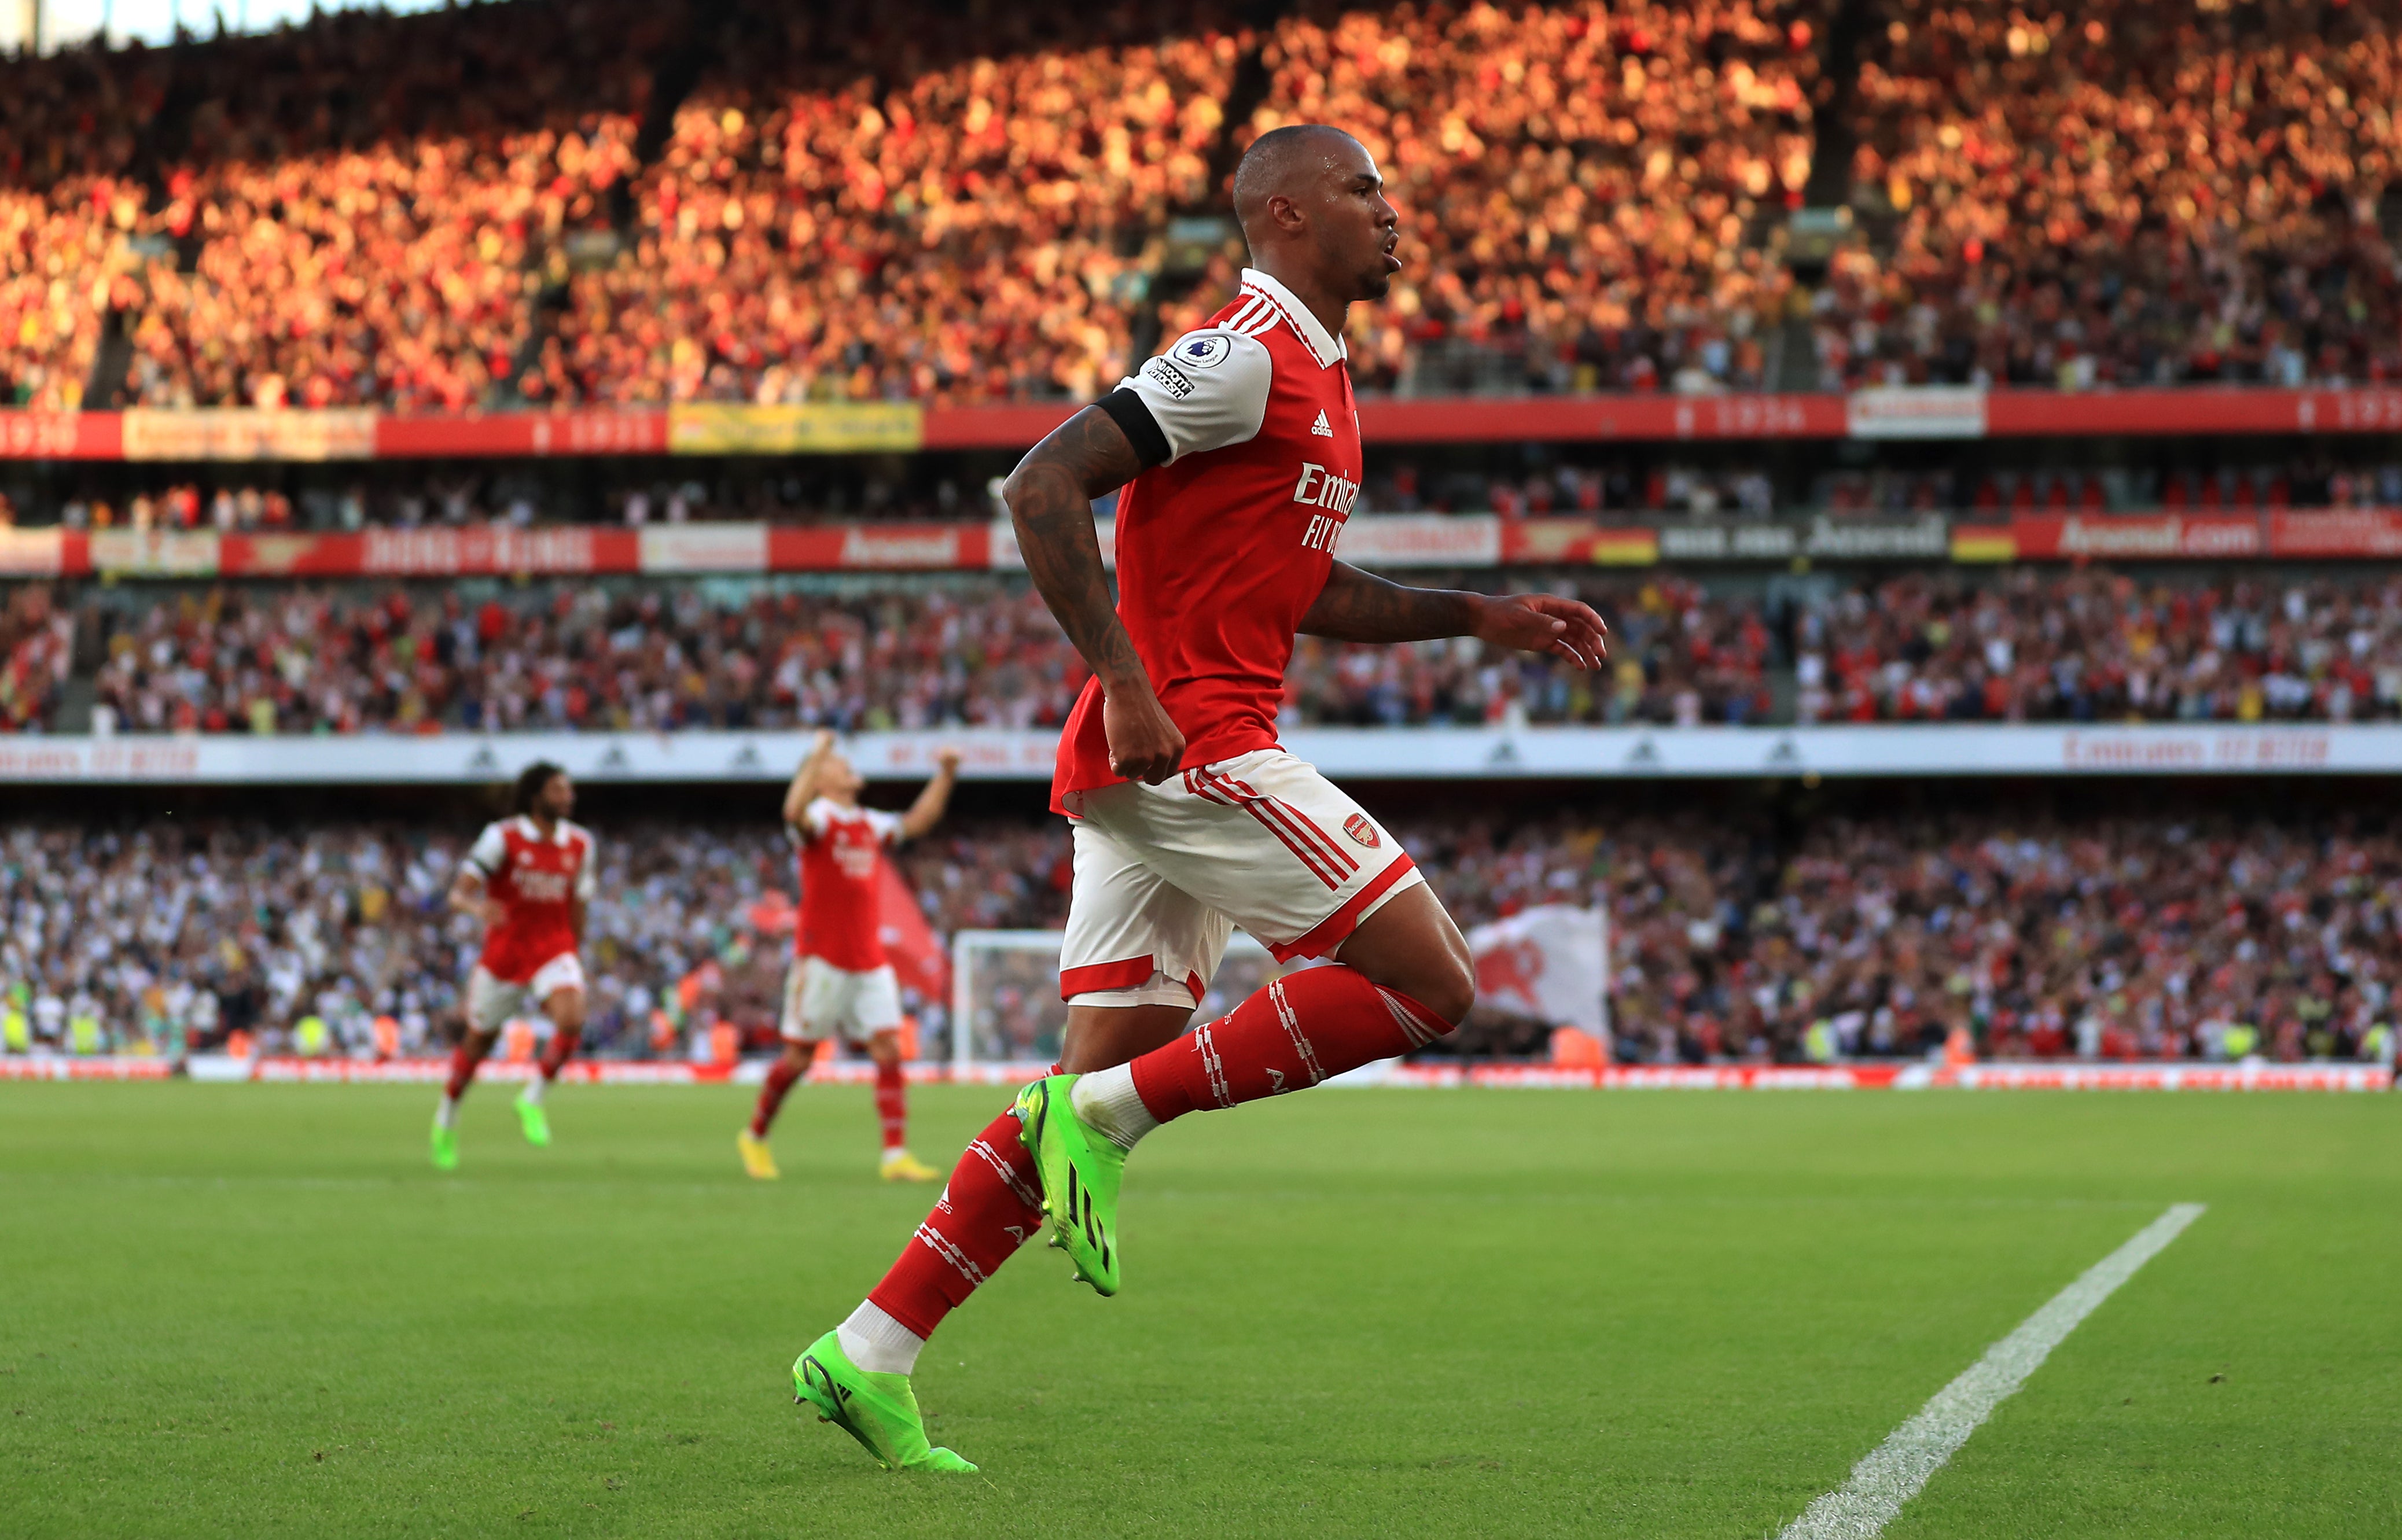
893, 1104
463, 1061
561, 1048
1287, 1037
782, 1077
992, 1202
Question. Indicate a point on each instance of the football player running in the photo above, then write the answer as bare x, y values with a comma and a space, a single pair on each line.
1238, 453
528, 879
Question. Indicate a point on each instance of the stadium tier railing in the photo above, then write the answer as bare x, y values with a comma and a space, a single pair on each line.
1380, 753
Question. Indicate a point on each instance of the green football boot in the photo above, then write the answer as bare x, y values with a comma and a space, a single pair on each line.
1081, 1170
536, 1121
446, 1148
881, 1411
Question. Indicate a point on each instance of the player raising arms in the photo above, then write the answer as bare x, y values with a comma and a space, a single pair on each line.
528, 878
1240, 452
840, 980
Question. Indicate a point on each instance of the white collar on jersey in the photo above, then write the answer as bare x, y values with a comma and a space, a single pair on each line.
559, 831
1326, 349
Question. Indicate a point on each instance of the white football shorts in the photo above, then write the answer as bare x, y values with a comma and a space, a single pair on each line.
492, 1004
819, 997
1164, 873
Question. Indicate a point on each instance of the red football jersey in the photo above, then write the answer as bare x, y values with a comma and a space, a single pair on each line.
537, 880
840, 910
1224, 547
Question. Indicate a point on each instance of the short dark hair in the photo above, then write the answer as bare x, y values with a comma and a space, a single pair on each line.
531, 780
1269, 165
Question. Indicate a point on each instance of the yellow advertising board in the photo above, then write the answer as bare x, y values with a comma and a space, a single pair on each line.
810, 428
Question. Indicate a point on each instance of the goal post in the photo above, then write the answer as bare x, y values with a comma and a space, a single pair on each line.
1005, 1004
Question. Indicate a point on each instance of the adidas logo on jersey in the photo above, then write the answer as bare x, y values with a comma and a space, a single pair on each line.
1321, 428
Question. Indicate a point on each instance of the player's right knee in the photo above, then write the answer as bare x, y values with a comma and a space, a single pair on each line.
1448, 989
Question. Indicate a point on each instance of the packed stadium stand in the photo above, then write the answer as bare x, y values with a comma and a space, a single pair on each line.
2095, 645
525, 529
2123, 936
642, 376
2083, 194
719, 200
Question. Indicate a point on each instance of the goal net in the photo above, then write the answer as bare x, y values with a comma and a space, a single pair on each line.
1005, 1005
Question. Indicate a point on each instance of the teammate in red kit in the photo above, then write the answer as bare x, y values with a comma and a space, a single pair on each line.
1238, 448
840, 982
528, 878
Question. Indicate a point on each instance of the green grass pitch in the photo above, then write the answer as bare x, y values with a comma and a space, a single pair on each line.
254, 1310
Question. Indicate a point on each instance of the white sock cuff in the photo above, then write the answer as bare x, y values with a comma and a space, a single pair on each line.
532, 1091
878, 1343
1106, 1100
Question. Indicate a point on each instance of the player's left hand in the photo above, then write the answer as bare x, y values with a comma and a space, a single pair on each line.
1539, 623
946, 758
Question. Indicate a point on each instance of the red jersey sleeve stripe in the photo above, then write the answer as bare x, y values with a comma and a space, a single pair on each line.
1258, 314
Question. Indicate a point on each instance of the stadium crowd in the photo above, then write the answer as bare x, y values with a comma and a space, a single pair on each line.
354, 212
971, 226
161, 938
2102, 646
1581, 186
2084, 194
2155, 937
2160, 935
37, 650
901, 200
584, 656
2026, 646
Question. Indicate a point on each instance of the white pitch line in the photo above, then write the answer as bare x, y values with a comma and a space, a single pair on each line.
1895, 1470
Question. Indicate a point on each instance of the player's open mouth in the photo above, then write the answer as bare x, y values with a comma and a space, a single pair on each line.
1392, 263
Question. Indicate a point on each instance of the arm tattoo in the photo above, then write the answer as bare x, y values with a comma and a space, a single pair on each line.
1050, 498
1356, 607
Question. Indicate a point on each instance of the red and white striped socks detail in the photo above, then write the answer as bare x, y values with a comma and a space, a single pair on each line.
1298, 1031
992, 1202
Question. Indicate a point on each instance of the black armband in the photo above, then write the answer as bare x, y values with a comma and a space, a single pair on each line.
1141, 429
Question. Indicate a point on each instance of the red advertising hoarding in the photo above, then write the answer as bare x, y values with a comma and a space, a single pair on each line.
1948, 412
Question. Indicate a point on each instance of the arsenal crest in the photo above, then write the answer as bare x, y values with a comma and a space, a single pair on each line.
1360, 829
